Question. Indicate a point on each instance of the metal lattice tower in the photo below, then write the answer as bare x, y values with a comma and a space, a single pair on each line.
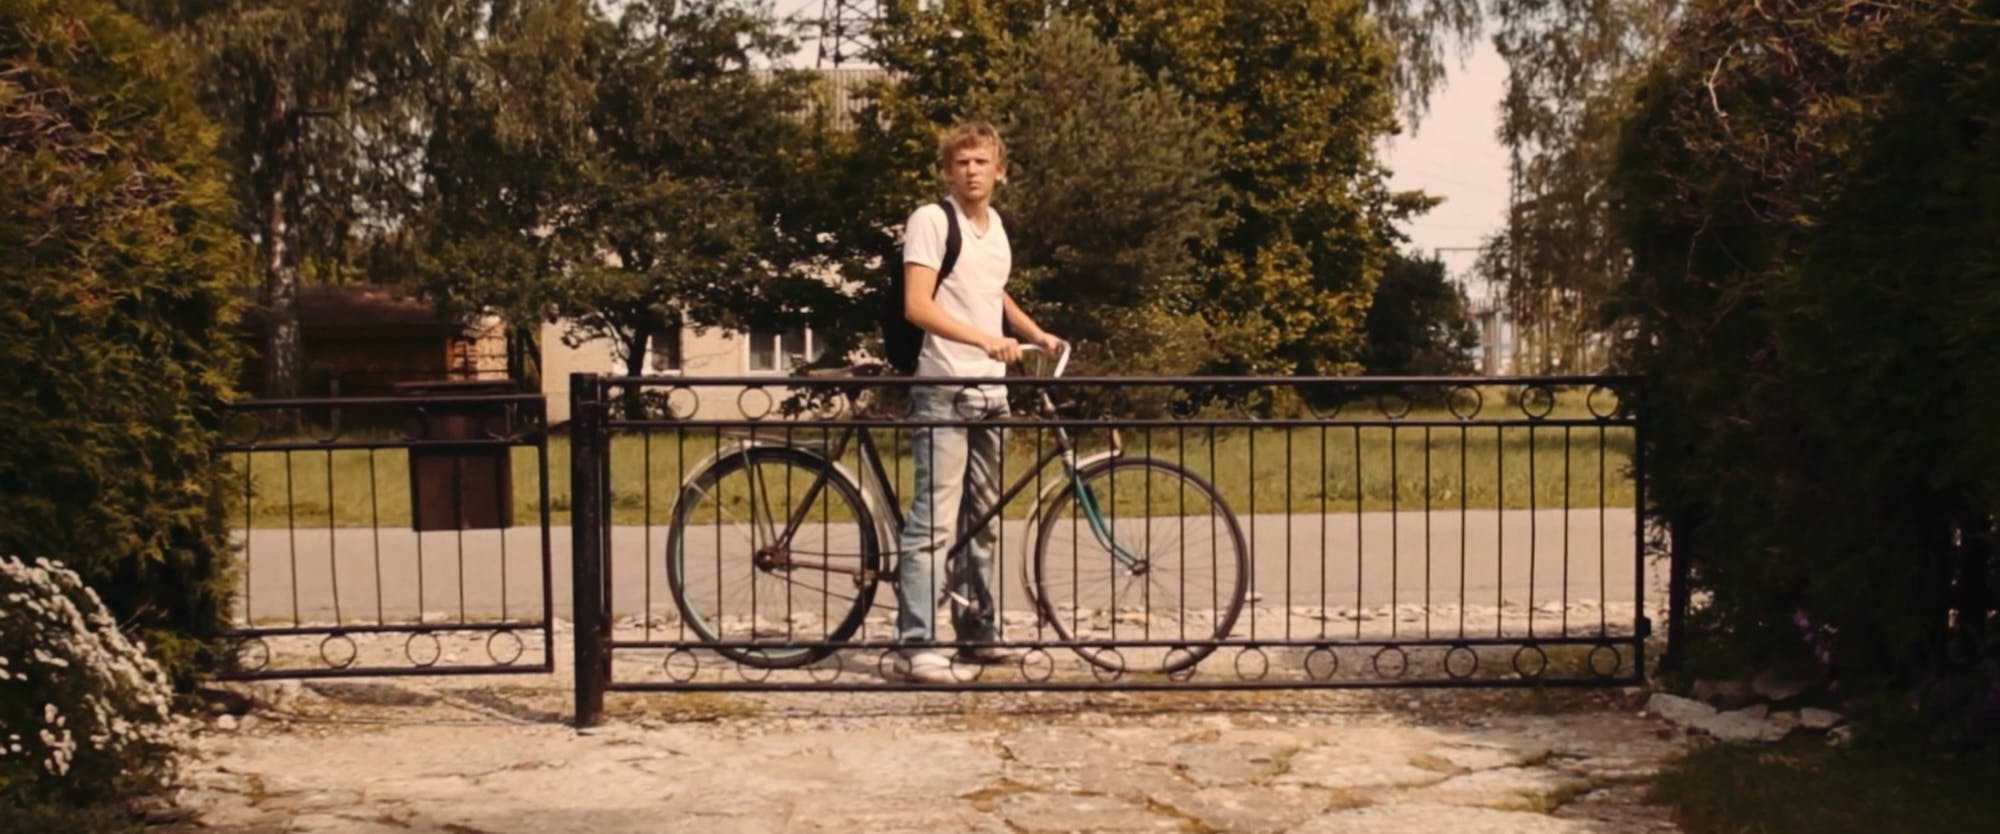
846, 29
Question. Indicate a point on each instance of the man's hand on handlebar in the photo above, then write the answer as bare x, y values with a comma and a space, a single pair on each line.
1004, 349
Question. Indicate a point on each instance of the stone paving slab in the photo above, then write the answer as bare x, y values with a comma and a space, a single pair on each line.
485, 757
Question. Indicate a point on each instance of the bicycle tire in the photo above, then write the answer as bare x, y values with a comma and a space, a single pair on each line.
726, 597
1161, 509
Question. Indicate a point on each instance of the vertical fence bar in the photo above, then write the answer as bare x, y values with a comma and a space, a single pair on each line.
587, 462
1677, 590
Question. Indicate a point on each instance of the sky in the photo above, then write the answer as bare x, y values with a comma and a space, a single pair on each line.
1453, 153
1456, 154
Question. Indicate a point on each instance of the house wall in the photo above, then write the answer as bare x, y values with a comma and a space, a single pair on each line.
713, 352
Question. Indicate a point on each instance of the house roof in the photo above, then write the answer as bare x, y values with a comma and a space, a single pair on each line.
352, 306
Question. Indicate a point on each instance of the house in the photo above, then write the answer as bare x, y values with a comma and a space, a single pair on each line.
360, 341
691, 353
364, 341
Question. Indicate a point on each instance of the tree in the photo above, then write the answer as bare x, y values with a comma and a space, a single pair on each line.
1306, 216
1421, 30
1809, 196
635, 176
1573, 67
316, 98
1111, 185
505, 113
117, 347
1418, 323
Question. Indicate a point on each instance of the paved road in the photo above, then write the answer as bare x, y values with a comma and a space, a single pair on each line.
1479, 558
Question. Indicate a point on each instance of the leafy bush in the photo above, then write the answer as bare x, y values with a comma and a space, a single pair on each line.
84, 712
1811, 195
116, 318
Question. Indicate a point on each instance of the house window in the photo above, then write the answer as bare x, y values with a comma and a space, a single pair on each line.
771, 350
663, 352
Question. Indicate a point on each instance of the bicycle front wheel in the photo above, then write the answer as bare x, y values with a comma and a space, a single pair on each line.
1142, 564
762, 563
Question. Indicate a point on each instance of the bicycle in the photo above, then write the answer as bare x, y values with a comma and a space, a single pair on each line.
1118, 545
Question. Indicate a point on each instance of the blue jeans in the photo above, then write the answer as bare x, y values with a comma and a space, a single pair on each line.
957, 481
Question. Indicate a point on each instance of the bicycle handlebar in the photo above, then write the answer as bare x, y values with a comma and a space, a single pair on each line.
1062, 356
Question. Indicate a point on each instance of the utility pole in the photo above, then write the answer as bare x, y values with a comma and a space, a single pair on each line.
1487, 307
846, 31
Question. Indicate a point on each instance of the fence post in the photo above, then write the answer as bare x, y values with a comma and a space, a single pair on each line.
586, 479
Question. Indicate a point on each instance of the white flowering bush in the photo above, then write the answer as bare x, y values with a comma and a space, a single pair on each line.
85, 714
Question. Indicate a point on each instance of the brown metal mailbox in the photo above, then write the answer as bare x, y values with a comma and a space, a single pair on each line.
459, 487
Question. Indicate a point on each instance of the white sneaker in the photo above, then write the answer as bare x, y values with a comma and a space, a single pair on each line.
930, 667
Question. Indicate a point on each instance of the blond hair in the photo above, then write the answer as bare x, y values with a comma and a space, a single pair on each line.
966, 135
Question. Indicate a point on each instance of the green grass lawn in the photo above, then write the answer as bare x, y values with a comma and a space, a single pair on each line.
1806, 788
1335, 469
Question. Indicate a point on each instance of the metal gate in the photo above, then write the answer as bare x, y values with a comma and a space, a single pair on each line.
405, 535
1270, 532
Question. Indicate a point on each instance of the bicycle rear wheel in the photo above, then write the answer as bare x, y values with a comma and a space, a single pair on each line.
1147, 559
780, 604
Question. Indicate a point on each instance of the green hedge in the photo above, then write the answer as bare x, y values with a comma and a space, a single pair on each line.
1813, 199
115, 317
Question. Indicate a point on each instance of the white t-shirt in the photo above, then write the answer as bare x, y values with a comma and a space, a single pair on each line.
973, 291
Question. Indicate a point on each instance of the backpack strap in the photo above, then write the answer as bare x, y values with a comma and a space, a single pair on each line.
952, 239
952, 243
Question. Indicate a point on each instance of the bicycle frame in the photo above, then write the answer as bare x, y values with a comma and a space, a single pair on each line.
875, 481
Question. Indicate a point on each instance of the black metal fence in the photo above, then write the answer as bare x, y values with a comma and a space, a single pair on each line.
1204, 532
392, 536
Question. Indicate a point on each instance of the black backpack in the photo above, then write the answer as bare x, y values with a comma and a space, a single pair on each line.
901, 340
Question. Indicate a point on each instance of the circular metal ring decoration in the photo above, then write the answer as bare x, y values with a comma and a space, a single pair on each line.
327, 652
682, 403
681, 665
753, 674
1461, 662
826, 670
1107, 671
1602, 401
1540, 663
960, 668
1537, 400
763, 402
1322, 663
251, 654
1262, 668
1180, 659
516, 648
436, 647
1400, 668
1464, 402
1182, 403
1110, 404
1616, 657
1037, 666
968, 402
1393, 405
1310, 396
890, 665
830, 405
1256, 403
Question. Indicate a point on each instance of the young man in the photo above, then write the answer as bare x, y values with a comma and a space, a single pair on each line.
958, 467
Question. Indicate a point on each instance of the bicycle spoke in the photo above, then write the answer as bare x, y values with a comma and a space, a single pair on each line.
1150, 557
740, 575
